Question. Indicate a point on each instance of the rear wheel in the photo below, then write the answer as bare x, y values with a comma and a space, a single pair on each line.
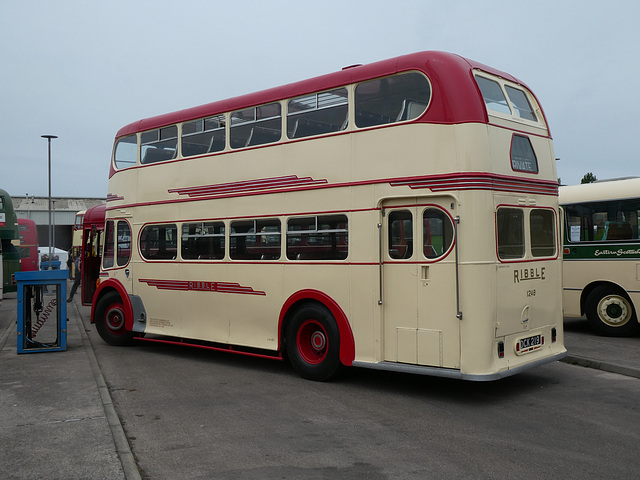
109, 320
313, 343
611, 313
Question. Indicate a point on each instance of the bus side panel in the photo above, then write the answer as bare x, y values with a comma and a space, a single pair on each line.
606, 271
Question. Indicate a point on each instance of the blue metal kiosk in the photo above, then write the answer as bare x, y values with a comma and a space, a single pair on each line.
42, 311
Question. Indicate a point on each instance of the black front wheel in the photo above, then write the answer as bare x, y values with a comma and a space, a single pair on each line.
611, 313
313, 343
109, 320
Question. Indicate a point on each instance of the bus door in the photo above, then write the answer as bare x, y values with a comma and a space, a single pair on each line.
91, 258
419, 283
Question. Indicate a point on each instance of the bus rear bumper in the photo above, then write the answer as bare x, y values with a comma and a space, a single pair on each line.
457, 374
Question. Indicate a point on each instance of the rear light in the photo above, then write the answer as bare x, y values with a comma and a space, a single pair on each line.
553, 335
500, 349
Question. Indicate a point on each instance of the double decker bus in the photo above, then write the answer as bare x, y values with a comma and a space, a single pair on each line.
400, 215
92, 239
9, 233
28, 234
602, 254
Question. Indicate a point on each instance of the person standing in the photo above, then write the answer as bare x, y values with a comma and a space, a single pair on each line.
76, 282
70, 263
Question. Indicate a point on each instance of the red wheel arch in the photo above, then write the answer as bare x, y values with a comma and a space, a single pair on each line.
347, 342
112, 284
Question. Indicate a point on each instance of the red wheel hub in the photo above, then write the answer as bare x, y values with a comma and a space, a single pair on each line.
114, 319
312, 342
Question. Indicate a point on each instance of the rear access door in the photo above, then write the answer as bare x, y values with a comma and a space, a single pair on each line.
419, 282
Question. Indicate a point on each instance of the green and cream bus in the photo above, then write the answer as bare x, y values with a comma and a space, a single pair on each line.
602, 254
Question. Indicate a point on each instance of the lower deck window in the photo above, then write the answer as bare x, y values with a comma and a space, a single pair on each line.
255, 240
117, 246
400, 234
437, 233
159, 242
612, 220
514, 242
543, 238
317, 238
510, 223
203, 241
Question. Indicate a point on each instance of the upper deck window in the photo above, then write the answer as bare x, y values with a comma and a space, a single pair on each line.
205, 135
391, 99
255, 126
493, 95
318, 113
520, 104
510, 101
159, 144
126, 152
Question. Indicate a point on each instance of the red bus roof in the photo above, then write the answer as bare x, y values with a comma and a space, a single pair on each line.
94, 216
456, 98
27, 221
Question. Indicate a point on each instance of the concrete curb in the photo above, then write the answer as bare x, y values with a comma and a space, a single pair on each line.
604, 366
5, 334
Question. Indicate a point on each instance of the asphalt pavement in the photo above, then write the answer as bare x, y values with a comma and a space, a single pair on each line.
58, 421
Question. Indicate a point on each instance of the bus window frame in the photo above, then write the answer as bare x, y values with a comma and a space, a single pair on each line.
512, 116
602, 210
163, 257
398, 119
526, 226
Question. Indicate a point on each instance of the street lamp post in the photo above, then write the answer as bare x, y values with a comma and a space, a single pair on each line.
49, 138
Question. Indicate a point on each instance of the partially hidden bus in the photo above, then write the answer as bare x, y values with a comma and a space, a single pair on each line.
76, 240
602, 254
400, 215
91, 251
28, 234
8, 234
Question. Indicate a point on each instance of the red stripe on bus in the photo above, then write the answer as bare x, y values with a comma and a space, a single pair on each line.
436, 183
247, 185
201, 286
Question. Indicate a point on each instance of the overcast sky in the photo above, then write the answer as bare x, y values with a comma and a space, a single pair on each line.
83, 69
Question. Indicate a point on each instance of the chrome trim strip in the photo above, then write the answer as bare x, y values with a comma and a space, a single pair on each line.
456, 374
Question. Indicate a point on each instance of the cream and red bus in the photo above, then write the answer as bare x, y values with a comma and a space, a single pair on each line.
602, 254
400, 215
